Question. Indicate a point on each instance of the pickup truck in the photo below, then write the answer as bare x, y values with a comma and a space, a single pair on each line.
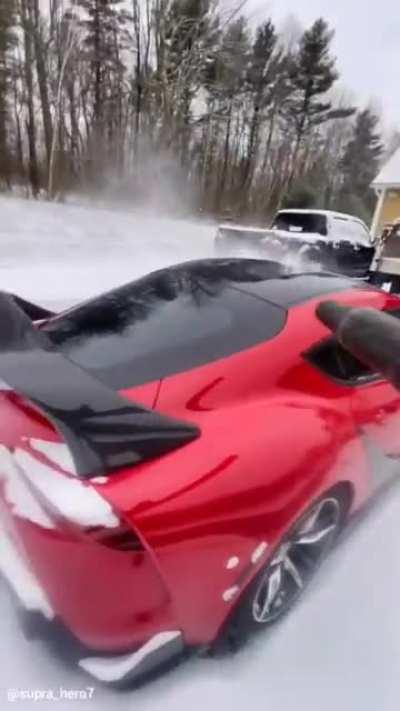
306, 239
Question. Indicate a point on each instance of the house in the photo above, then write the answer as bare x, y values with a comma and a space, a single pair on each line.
387, 188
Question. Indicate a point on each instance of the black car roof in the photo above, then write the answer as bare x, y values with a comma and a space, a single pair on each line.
268, 280
182, 317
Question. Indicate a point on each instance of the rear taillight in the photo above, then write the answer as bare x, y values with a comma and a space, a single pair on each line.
51, 499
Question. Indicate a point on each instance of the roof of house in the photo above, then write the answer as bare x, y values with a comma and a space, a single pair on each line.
389, 177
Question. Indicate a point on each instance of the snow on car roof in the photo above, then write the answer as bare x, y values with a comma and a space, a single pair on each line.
326, 213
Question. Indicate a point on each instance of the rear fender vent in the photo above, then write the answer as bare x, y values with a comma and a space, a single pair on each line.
122, 538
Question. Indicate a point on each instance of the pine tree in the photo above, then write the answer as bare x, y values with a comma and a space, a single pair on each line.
187, 24
227, 86
187, 39
262, 75
226, 74
312, 74
7, 41
104, 27
360, 163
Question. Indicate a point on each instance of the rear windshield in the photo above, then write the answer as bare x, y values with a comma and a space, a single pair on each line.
301, 222
165, 323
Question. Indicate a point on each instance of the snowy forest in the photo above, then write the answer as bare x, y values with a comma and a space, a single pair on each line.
128, 96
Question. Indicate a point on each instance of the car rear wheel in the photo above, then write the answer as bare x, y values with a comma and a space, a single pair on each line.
282, 581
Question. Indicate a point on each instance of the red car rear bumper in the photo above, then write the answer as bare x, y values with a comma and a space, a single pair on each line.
110, 600
107, 610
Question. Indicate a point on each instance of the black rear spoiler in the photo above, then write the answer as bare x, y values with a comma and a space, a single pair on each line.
370, 335
34, 311
103, 430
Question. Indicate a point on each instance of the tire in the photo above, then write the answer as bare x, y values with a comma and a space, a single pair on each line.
284, 578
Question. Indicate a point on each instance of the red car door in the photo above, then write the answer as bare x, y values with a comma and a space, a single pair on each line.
374, 403
376, 409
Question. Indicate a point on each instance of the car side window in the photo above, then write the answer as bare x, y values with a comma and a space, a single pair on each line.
340, 365
351, 231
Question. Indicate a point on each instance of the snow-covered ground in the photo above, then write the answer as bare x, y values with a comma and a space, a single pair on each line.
340, 648
64, 253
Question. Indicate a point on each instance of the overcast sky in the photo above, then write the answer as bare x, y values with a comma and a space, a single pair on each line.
367, 43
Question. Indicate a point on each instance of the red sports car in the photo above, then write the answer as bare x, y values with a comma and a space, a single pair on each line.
178, 455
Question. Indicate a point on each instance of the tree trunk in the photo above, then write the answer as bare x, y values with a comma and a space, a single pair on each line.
222, 184
42, 79
18, 137
57, 132
98, 74
30, 123
138, 75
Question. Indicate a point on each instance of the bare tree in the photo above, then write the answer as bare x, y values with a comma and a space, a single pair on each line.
139, 91
26, 18
70, 43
